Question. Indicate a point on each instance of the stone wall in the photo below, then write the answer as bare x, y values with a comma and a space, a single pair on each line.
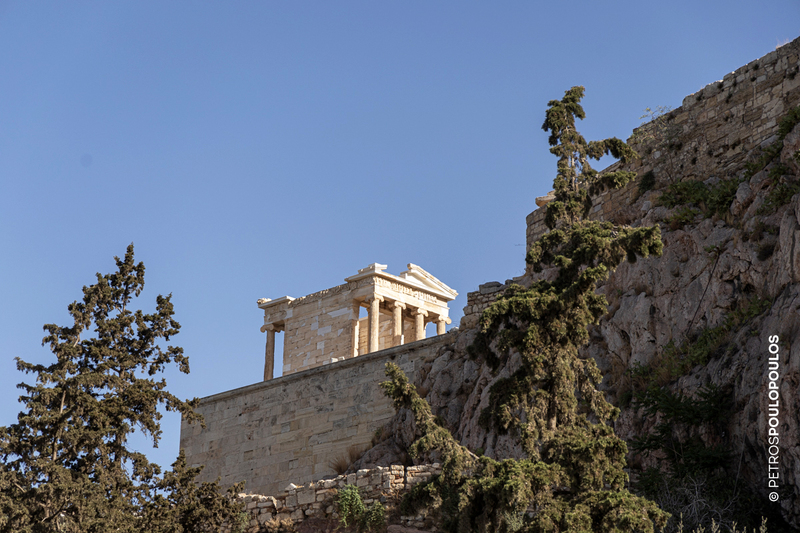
291, 428
479, 300
712, 134
317, 500
319, 329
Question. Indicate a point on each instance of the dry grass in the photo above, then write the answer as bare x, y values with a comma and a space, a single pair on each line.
339, 464
342, 463
715, 528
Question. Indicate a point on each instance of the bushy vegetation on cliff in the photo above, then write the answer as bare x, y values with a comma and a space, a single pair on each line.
572, 478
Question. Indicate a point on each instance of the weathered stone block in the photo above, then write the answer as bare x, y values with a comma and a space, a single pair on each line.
306, 496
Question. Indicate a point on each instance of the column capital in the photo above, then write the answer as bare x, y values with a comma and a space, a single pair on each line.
372, 297
419, 311
398, 305
268, 327
441, 322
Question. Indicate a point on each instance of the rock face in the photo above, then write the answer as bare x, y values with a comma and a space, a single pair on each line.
711, 267
688, 290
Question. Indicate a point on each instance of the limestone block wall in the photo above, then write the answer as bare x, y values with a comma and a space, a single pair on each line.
289, 429
317, 500
712, 134
319, 329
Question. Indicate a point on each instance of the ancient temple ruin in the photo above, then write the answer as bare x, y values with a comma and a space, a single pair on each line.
326, 327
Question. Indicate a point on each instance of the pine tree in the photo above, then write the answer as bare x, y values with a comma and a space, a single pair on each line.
66, 465
573, 478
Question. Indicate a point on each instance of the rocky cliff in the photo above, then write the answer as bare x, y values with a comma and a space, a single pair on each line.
719, 175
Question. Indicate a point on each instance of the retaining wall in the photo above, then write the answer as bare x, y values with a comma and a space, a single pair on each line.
291, 428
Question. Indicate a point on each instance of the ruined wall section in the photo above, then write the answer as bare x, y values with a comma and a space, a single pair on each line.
481, 299
291, 428
316, 502
712, 134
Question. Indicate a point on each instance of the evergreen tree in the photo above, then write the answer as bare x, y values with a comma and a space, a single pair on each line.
576, 181
573, 478
66, 465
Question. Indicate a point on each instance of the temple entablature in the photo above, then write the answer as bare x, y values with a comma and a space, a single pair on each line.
326, 326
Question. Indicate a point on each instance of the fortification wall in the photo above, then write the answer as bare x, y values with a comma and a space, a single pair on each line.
291, 428
712, 134
479, 300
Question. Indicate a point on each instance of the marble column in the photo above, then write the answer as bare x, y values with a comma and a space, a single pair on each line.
441, 322
269, 353
354, 328
397, 322
374, 322
419, 324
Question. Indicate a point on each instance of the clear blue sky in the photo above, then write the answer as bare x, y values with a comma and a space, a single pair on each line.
262, 149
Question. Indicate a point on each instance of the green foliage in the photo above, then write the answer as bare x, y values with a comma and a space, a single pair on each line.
647, 182
767, 156
455, 458
676, 434
576, 180
181, 504
65, 465
780, 195
375, 518
684, 192
682, 216
788, 122
351, 506
709, 200
498, 494
353, 511
783, 192
721, 196
573, 477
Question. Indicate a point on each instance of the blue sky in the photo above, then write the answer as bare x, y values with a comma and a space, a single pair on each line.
265, 149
